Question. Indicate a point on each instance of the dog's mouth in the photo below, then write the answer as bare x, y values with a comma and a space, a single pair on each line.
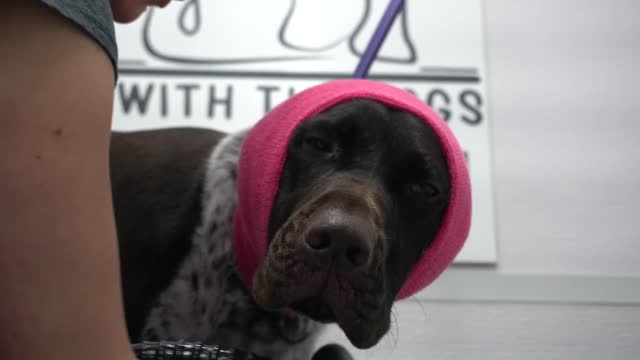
361, 317
363, 325
314, 284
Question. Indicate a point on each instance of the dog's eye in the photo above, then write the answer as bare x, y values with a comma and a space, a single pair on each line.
317, 144
423, 189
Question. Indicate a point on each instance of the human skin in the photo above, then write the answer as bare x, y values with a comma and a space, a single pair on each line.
125, 11
61, 292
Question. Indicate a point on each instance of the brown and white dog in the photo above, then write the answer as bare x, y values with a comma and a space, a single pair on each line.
363, 192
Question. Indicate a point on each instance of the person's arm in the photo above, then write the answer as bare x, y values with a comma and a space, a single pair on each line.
60, 294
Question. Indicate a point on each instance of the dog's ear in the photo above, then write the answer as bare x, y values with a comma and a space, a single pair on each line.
158, 214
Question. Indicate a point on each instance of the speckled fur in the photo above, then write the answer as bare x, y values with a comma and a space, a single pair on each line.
207, 301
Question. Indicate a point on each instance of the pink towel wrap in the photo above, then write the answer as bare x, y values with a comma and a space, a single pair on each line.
263, 156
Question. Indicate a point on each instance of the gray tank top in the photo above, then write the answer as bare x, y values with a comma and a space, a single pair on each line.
95, 18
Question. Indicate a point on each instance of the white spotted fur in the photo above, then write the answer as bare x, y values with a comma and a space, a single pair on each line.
206, 314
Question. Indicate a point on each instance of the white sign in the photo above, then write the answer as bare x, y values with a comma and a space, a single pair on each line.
223, 64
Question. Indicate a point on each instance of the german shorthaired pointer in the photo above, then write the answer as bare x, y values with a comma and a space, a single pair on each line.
362, 193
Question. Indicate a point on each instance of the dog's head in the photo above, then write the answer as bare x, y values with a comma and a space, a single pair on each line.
351, 194
362, 193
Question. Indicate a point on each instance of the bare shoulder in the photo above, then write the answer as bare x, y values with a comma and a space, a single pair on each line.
57, 238
56, 93
54, 76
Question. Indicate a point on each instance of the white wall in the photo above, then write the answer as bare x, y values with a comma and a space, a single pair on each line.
563, 77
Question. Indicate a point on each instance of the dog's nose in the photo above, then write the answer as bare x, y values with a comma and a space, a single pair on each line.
339, 238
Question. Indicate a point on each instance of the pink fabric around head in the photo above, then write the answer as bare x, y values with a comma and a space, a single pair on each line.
263, 156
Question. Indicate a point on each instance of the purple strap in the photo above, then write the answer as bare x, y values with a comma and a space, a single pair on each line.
390, 14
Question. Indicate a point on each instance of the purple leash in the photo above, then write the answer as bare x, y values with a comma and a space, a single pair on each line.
390, 14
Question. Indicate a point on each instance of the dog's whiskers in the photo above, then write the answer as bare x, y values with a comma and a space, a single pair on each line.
394, 322
417, 301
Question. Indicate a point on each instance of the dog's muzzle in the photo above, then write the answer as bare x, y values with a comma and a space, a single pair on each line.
327, 260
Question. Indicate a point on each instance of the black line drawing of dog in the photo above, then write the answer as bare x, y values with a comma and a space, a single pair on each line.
379, 170
302, 32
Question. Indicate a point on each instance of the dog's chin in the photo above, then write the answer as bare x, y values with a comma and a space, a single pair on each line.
326, 301
361, 331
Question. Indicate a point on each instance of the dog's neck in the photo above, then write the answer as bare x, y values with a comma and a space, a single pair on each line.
208, 301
